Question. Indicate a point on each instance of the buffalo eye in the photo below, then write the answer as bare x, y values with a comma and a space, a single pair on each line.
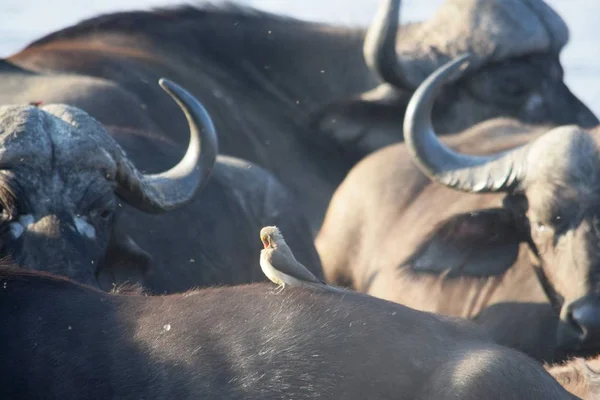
103, 208
513, 87
106, 213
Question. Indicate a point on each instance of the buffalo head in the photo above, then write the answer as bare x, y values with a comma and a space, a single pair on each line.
514, 72
62, 178
552, 188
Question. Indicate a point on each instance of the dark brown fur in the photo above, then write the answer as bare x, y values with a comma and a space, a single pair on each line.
63, 340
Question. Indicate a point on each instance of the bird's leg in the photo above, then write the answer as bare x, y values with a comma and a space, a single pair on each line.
281, 287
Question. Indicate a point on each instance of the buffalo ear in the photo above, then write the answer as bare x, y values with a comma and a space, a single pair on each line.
362, 125
125, 263
476, 244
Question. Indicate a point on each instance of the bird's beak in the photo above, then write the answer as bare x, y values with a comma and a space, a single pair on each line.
269, 243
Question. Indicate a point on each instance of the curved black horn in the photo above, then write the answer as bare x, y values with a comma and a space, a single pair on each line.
494, 173
379, 49
173, 188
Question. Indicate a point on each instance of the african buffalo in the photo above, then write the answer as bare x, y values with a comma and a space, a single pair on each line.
579, 376
298, 98
411, 223
64, 340
74, 203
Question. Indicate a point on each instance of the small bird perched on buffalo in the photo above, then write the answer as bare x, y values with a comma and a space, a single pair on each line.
279, 264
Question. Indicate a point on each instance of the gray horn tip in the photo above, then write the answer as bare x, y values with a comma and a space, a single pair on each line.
452, 70
465, 60
167, 84
460, 64
171, 87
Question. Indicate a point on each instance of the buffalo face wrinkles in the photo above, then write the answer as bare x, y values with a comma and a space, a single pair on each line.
56, 218
57, 192
569, 255
563, 192
60, 173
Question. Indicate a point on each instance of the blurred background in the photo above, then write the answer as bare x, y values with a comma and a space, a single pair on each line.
26, 20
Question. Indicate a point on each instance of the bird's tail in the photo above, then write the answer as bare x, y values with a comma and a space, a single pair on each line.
326, 288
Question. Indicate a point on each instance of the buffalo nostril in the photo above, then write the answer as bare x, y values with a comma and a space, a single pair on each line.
585, 320
575, 326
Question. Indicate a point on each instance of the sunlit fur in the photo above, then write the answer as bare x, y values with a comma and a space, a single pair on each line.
240, 342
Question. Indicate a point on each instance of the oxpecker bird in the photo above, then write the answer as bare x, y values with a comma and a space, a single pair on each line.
279, 264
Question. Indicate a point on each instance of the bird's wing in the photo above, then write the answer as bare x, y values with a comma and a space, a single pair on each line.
287, 264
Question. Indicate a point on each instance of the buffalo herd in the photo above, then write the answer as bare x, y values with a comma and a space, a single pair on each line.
437, 184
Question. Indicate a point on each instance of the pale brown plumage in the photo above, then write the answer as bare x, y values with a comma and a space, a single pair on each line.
279, 264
